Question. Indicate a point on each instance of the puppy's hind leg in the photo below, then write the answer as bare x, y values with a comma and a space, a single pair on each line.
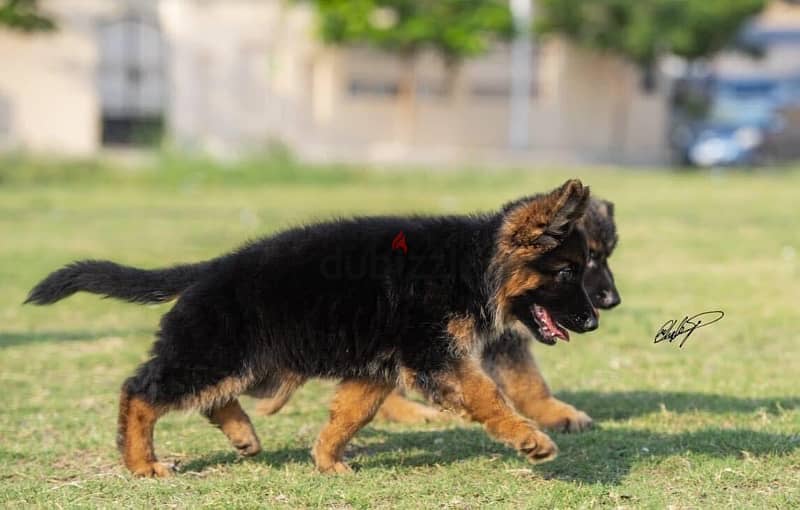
137, 419
400, 409
354, 405
273, 401
160, 386
235, 424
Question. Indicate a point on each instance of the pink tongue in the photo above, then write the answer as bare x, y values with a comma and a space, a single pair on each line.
560, 332
557, 330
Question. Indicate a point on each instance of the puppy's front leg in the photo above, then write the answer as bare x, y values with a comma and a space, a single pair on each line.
512, 366
355, 403
468, 389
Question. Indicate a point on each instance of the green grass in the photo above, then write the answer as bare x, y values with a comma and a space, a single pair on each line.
715, 424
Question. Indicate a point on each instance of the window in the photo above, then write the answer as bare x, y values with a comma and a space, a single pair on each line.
5, 118
131, 81
372, 87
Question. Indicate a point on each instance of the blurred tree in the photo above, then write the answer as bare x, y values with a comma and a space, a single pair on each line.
456, 29
643, 30
24, 15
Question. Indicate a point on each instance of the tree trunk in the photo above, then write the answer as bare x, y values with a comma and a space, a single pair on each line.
455, 96
407, 99
452, 69
619, 129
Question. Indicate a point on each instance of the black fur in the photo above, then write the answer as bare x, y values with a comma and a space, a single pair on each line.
601, 232
113, 280
165, 284
282, 304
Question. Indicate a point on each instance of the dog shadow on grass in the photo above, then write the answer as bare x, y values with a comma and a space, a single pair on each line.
272, 458
607, 456
12, 338
621, 405
598, 456
602, 455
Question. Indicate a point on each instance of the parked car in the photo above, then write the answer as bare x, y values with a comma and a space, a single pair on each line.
727, 121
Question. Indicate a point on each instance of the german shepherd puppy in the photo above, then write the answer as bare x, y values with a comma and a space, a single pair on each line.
373, 302
509, 362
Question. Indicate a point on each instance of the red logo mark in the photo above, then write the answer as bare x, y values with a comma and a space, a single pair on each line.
399, 243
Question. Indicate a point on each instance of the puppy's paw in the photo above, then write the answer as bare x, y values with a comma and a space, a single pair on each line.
327, 461
538, 447
553, 414
578, 421
338, 467
248, 448
401, 410
153, 470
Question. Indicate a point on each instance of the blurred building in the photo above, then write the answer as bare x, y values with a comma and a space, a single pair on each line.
230, 76
778, 31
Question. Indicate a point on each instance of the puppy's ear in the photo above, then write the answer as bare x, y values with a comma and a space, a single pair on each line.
544, 221
609, 208
571, 200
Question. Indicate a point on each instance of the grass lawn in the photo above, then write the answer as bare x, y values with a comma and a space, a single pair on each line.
714, 424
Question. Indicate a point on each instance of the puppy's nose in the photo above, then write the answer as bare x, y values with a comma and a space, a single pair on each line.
610, 299
591, 323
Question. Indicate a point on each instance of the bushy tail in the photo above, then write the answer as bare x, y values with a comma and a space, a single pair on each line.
116, 281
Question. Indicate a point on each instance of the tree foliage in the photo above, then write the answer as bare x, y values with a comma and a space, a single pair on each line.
24, 15
641, 30
455, 28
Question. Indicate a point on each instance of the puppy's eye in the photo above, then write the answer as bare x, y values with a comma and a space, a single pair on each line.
566, 273
593, 255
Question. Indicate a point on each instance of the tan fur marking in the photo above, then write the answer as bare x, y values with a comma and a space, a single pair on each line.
523, 384
235, 424
523, 225
217, 395
519, 379
594, 245
400, 409
355, 403
396, 407
269, 405
518, 283
462, 329
407, 378
482, 401
521, 240
137, 420
554, 414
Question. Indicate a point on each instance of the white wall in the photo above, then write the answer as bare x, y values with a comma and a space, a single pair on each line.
587, 107
47, 82
236, 72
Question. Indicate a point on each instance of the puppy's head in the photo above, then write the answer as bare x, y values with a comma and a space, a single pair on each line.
539, 265
601, 236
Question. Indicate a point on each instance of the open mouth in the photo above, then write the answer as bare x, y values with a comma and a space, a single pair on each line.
548, 327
